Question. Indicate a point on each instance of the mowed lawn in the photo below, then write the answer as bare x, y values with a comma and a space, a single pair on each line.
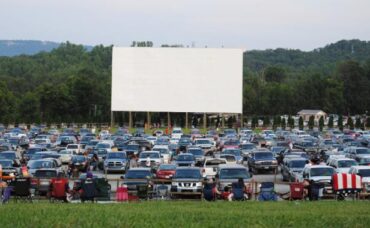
187, 214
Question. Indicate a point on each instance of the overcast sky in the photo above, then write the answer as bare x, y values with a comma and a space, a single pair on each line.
249, 24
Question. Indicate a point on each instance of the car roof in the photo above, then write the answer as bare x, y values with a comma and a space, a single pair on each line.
187, 167
140, 169
361, 167
231, 166
319, 166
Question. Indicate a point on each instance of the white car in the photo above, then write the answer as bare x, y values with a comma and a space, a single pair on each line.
210, 166
74, 148
164, 151
320, 174
342, 165
66, 156
364, 172
176, 133
104, 134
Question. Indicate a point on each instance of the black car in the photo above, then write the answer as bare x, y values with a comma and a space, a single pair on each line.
258, 161
135, 177
80, 163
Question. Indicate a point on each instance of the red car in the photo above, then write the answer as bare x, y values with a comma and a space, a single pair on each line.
166, 171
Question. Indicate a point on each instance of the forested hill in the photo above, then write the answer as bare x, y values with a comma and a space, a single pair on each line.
73, 84
323, 59
27, 47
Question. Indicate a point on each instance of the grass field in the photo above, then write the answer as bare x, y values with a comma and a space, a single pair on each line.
187, 214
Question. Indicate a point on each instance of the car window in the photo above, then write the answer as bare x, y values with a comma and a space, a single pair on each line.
188, 173
233, 174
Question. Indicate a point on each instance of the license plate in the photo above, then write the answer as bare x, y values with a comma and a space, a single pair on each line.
266, 167
44, 183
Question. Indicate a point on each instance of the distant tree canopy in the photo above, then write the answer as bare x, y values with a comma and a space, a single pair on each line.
72, 84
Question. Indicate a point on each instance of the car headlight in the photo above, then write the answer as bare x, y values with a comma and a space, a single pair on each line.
274, 162
175, 183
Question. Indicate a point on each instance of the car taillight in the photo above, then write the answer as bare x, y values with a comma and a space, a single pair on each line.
35, 181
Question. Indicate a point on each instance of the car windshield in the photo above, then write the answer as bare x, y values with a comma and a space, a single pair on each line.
196, 152
233, 152
297, 164
247, 146
101, 152
161, 150
228, 157
93, 143
151, 155
317, 172
13, 141
102, 146
78, 159
64, 152
213, 163
138, 174
188, 173
6, 164
40, 141
33, 150
167, 167
10, 156
346, 163
231, 143
234, 174
185, 158
263, 155
364, 172
363, 151
132, 147
202, 141
72, 146
46, 173
365, 160
116, 155
41, 164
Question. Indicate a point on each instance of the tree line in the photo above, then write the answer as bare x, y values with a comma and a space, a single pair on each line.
72, 84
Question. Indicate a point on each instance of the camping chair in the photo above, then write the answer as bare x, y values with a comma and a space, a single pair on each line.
296, 191
22, 189
238, 192
58, 189
89, 190
267, 192
162, 192
209, 193
142, 191
103, 189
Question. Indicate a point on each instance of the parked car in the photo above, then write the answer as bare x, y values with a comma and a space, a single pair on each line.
166, 171
342, 165
228, 174
164, 152
291, 169
116, 162
8, 168
46, 163
12, 155
364, 172
138, 176
236, 152
80, 163
321, 174
247, 148
41, 180
198, 154
185, 159
258, 161
150, 159
66, 156
187, 179
210, 167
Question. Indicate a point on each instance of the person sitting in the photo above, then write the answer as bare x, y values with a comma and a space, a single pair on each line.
88, 188
238, 190
210, 190
226, 193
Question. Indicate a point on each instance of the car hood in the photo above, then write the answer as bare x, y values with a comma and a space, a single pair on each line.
115, 160
186, 180
321, 178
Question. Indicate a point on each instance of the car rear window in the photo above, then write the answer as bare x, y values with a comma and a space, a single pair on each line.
46, 173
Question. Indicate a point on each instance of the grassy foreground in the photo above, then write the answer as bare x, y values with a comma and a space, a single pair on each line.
187, 214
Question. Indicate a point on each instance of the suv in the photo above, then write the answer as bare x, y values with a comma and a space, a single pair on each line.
291, 169
357, 153
210, 166
342, 165
137, 177
321, 174
150, 159
198, 154
185, 159
262, 161
116, 161
187, 179
228, 174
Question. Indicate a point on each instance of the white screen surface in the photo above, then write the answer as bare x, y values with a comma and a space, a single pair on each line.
177, 80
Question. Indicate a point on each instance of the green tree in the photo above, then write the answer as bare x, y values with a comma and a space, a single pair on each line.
350, 123
266, 121
331, 122
254, 122
311, 122
368, 122
321, 123
283, 123
300, 123
340, 122
274, 74
290, 122
358, 123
